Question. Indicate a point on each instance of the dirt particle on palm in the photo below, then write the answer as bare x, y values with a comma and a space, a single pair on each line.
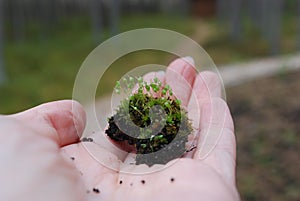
96, 190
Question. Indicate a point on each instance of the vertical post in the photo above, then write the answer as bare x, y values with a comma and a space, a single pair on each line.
264, 17
254, 7
235, 19
96, 18
298, 34
51, 14
167, 6
2, 70
271, 23
183, 7
222, 10
18, 17
274, 30
47, 16
114, 16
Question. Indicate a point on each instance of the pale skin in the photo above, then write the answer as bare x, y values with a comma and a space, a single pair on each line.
42, 158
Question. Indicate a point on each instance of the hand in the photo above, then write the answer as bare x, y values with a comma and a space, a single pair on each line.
39, 145
32, 164
199, 175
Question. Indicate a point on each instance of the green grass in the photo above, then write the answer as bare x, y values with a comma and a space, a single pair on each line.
252, 46
43, 68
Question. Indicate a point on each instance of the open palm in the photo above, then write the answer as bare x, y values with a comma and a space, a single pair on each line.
191, 177
206, 173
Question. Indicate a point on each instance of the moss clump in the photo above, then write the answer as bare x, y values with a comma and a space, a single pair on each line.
152, 122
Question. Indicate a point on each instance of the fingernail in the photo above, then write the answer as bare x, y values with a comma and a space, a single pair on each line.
190, 60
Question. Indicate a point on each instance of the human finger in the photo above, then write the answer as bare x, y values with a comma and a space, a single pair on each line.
62, 121
180, 76
206, 86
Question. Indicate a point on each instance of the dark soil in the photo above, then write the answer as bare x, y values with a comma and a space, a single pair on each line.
162, 140
267, 120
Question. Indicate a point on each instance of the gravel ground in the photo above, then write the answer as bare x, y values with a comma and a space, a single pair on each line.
267, 120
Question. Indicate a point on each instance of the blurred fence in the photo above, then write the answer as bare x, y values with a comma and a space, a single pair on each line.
48, 12
17, 15
265, 15
2, 71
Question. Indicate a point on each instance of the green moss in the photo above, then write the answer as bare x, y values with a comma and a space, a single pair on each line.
152, 122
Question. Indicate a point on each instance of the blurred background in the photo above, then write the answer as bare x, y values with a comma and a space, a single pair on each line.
44, 42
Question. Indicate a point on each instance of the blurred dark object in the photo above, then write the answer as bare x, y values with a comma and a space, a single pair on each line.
96, 12
48, 13
298, 17
235, 18
178, 7
44, 15
141, 6
115, 7
234, 15
2, 70
265, 15
104, 13
204, 8
271, 23
18, 19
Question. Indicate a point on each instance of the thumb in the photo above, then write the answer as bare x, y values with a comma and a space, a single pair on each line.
29, 153
62, 121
